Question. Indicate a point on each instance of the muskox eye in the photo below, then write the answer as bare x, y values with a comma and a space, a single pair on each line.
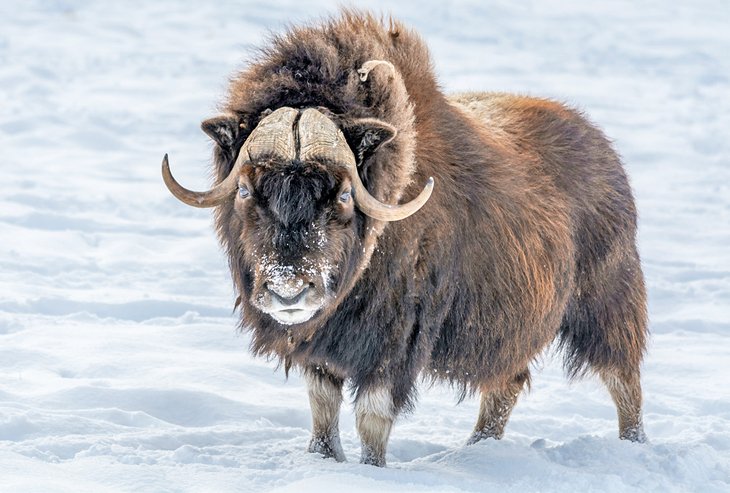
243, 191
345, 196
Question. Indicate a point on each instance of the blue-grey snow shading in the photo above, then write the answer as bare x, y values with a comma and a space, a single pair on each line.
120, 367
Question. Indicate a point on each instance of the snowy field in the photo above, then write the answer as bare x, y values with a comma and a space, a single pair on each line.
120, 365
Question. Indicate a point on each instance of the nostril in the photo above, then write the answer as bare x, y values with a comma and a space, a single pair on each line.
287, 299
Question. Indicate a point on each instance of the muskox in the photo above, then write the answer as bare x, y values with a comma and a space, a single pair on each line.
380, 232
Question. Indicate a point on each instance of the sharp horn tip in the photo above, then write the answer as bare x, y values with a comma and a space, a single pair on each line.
428, 188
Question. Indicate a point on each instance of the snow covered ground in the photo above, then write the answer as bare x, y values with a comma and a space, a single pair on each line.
120, 368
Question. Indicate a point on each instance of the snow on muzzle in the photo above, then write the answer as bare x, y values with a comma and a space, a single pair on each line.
288, 294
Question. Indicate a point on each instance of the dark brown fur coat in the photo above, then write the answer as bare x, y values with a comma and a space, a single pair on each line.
529, 234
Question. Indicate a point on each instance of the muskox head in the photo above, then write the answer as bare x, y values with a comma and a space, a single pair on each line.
295, 193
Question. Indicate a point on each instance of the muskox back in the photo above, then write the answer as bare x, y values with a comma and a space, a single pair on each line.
529, 234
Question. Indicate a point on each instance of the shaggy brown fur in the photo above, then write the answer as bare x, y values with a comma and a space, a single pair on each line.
529, 235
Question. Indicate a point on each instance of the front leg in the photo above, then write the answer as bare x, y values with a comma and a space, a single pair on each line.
374, 415
325, 397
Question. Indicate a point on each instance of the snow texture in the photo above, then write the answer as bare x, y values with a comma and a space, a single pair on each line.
120, 365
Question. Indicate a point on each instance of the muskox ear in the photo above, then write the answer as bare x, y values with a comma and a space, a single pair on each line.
366, 135
223, 129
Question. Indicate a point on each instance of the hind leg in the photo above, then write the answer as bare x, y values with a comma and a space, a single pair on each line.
495, 408
625, 390
604, 332
615, 356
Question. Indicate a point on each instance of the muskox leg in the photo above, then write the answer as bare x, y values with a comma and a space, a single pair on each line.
325, 397
374, 415
495, 408
605, 328
625, 390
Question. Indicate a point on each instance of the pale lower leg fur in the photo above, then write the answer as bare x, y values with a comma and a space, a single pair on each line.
625, 390
325, 397
374, 415
495, 408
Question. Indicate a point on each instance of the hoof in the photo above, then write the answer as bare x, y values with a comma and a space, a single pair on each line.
373, 461
328, 448
371, 457
478, 436
636, 435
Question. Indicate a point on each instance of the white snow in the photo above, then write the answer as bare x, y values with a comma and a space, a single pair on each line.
120, 365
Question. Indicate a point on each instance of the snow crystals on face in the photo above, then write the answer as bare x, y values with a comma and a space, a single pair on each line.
282, 279
319, 238
289, 280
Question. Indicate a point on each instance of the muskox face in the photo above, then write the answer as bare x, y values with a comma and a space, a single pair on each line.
292, 223
298, 233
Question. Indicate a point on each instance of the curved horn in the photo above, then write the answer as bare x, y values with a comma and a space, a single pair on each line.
213, 197
319, 137
273, 137
386, 212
